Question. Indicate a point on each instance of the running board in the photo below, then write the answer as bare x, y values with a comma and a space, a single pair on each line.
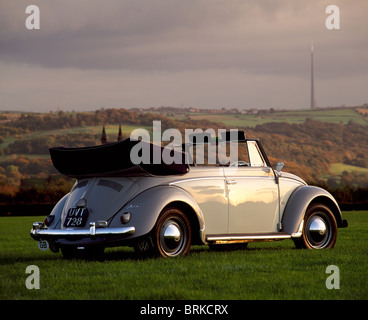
247, 237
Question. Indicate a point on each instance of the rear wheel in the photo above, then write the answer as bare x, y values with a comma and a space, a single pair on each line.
319, 230
172, 233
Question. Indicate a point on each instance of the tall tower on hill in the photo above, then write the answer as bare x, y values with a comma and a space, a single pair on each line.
313, 103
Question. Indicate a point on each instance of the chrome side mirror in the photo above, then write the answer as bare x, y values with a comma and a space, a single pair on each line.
280, 165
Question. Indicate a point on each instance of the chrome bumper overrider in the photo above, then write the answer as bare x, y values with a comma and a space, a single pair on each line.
38, 232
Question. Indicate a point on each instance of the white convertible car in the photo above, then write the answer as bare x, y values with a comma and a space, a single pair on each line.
162, 209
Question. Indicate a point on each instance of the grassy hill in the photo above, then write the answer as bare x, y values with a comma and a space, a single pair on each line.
340, 168
322, 146
341, 116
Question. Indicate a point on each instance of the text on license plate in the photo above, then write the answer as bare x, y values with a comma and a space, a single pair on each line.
76, 217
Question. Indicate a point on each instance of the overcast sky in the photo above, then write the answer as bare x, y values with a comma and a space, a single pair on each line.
90, 54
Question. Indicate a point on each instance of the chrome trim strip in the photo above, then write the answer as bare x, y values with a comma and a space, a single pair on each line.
91, 232
38, 225
202, 235
292, 179
92, 228
249, 237
300, 231
196, 179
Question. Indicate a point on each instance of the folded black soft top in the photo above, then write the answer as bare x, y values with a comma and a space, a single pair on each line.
114, 159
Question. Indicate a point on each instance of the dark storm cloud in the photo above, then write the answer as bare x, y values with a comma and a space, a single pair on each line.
208, 52
257, 36
260, 36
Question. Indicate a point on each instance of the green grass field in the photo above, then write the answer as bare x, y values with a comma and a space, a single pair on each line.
339, 168
295, 116
270, 270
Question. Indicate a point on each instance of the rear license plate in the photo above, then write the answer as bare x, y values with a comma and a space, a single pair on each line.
76, 217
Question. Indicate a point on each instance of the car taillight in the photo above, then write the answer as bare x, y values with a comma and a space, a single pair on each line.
125, 217
49, 219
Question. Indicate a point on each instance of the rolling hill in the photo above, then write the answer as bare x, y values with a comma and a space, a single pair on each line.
328, 147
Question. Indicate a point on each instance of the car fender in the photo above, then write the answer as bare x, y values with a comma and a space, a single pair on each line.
57, 211
146, 207
298, 204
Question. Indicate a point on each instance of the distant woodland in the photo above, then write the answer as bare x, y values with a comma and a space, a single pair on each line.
308, 149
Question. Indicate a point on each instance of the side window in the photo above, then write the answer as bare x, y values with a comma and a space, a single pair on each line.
233, 154
203, 154
223, 154
255, 155
243, 155
239, 153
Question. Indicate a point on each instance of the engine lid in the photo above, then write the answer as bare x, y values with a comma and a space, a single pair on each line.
102, 197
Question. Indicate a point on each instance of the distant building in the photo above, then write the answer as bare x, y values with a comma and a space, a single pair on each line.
103, 137
120, 136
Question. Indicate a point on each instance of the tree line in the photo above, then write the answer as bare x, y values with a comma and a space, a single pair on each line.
308, 149
31, 122
314, 145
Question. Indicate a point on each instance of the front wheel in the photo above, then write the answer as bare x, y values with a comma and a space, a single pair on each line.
319, 230
172, 233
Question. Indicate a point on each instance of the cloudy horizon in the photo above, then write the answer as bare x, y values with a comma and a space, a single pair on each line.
241, 54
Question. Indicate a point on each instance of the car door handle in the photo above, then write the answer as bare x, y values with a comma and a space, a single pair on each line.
231, 182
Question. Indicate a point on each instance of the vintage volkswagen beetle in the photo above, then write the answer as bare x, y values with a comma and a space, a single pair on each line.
163, 209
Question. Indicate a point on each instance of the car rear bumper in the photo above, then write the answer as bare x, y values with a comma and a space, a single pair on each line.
38, 232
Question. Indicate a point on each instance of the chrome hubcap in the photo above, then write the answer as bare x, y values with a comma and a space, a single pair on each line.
317, 227
318, 231
172, 237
